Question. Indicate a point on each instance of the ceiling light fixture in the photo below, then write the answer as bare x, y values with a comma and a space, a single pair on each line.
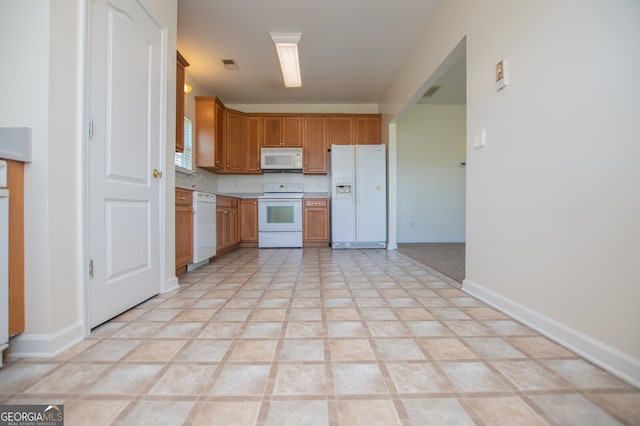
287, 47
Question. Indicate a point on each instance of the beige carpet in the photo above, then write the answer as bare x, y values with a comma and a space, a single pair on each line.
446, 258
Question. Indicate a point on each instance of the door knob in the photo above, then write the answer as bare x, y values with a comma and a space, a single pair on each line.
157, 173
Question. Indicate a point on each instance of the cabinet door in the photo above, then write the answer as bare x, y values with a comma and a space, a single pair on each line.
235, 141
272, 131
316, 221
184, 227
292, 131
233, 226
340, 131
367, 130
252, 143
209, 147
15, 184
315, 145
220, 229
281, 131
220, 141
249, 220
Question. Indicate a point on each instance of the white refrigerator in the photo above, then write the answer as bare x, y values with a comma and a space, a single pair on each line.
358, 196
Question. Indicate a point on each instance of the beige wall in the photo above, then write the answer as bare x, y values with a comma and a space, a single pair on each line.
553, 199
431, 184
25, 102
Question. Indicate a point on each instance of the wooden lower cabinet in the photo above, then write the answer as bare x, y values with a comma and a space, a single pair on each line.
226, 224
315, 222
249, 222
184, 228
15, 184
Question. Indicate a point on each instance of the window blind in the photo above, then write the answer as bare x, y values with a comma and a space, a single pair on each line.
184, 159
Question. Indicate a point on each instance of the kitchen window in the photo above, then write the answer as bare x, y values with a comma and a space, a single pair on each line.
184, 159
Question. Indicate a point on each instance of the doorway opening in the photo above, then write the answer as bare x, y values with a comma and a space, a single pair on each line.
431, 154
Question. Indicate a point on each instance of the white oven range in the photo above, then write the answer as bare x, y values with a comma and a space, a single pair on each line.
280, 215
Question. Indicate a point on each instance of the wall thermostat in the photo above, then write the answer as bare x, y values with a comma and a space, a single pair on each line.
501, 75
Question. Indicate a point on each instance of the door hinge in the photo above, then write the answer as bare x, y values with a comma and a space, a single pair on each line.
90, 128
91, 268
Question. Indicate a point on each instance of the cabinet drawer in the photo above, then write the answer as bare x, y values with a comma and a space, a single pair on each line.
226, 202
315, 202
184, 197
223, 202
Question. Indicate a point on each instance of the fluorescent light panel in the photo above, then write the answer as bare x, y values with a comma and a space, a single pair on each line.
287, 47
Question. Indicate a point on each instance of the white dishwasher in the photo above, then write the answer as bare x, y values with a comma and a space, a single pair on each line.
4, 260
204, 228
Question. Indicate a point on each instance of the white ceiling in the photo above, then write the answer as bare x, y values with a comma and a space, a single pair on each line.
349, 50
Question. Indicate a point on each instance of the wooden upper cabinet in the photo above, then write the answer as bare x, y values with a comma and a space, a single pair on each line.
357, 129
367, 129
180, 80
210, 133
281, 131
340, 130
291, 131
229, 141
235, 141
272, 133
315, 145
253, 129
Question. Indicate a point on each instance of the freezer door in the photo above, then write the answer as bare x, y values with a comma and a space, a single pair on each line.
371, 193
343, 214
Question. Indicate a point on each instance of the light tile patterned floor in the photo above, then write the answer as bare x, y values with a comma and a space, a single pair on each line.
319, 337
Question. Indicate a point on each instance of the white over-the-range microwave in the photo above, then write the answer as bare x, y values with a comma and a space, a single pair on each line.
281, 160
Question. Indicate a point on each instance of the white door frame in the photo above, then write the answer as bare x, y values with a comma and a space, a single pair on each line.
163, 284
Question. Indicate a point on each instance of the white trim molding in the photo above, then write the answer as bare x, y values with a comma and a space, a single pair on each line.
32, 345
171, 284
609, 358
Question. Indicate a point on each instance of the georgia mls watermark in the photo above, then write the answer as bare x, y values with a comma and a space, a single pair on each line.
31, 415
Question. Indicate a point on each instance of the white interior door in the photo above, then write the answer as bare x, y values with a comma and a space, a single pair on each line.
125, 91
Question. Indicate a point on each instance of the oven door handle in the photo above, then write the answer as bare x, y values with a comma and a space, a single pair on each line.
280, 200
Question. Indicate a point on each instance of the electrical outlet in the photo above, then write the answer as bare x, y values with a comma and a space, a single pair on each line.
317, 184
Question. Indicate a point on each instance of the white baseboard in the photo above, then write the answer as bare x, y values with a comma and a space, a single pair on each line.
433, 241
171, 284
32, 345
611, 359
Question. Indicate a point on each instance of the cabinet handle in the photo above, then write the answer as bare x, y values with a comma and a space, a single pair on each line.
181, 198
